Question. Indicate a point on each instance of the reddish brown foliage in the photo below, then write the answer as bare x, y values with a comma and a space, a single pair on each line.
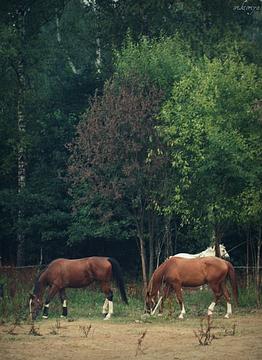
114, 139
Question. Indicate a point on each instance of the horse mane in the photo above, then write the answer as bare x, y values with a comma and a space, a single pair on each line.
157, 272
37, 287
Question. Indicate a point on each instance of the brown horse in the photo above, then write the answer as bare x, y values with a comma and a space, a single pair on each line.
177, 272
64, 273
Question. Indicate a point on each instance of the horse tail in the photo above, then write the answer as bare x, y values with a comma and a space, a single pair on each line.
233, 281
118, 276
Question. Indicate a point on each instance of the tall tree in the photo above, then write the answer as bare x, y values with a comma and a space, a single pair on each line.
110, 157
208, 127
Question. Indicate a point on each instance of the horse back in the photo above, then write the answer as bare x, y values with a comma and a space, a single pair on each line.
195, 272
77, 272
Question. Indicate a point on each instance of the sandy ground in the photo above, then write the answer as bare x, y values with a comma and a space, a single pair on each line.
139, 339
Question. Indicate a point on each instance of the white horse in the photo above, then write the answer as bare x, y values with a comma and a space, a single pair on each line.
210, 251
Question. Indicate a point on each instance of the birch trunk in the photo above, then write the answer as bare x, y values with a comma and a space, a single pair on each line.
139, 217
21, 158
247, 258
258, 300
218, 237
151, 243
143, 261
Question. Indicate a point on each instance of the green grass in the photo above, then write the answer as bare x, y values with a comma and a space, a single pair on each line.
87, 303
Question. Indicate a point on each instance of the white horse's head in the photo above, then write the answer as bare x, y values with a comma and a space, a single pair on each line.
223, 252
211, 251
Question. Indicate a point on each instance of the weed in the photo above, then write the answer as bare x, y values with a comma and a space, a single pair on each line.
85, 330
34, 331
139, 349
204, 335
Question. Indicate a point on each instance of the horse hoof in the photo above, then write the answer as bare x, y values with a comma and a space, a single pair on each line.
107, 317
45, 317
181, 317
227, 316
160, 314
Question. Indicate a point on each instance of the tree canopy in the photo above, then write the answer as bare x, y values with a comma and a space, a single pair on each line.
130, 130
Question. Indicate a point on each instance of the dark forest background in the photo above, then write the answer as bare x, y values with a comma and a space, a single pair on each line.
130, 129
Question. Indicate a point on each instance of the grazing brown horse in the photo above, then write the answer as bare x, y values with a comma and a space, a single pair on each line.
176, 272
64, 273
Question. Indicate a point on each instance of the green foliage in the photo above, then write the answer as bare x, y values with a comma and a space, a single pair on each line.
214, 143
209, 125
162, 61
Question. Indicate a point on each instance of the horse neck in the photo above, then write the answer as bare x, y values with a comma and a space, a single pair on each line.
198, 254
40, 285
208, 252
156, 280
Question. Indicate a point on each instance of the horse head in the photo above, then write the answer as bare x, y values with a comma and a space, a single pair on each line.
35, 306
223, 252
211, 251
149, 303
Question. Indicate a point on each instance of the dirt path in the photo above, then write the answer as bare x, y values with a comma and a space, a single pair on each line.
61, 340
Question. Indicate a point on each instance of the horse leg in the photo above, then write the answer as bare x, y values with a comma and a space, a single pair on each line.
62, 296
51, 293
217, 290
107, 309
164, 297
179, 296
227, 297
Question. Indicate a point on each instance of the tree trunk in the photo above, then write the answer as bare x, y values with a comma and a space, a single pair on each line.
247, 257
139, 218
143, 261
218, 237
151, 243
21, 161
59, 40
168, 236
258, 295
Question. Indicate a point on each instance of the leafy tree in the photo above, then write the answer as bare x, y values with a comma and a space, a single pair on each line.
208, 125
110, 161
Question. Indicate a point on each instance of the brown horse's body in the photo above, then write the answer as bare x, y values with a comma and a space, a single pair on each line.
78, 273
176, 273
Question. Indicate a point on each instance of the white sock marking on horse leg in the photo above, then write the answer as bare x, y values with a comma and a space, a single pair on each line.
105, 307
229, 310
183, 311
157, 305
64, 305
110, 310
45, 316
211, 308
110, 307
30, 308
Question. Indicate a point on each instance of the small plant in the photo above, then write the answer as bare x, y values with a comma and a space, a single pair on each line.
11, 331
58, 324
85, 330
34, 331
139, 349
230, 332
54, 330
204, 335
